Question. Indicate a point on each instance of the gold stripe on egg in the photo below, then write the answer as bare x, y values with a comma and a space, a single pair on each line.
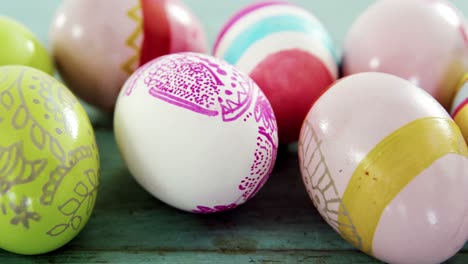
461, 119
131, 63
462, 82
390, 166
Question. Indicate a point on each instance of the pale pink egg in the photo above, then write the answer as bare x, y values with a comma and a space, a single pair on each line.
423, 41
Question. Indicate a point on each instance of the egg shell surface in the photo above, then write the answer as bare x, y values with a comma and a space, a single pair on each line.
287, 51
195, 132
459, 110
98, 44
387, 168
49, 162
422, 41
19, 46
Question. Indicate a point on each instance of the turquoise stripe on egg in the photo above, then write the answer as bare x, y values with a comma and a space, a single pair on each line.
276, 24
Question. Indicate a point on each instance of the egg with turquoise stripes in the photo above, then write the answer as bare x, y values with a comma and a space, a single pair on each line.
287, 51
386, 167
459, 110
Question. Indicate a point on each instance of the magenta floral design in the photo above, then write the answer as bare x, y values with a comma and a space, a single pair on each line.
238, 95
238, 102
207, 86
186, 83
266, 151
218, 208
193, 82
264, 114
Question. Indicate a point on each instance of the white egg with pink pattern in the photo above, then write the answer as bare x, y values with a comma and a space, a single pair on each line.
195, 132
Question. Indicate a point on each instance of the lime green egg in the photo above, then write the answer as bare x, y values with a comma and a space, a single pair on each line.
19, 46
49, 162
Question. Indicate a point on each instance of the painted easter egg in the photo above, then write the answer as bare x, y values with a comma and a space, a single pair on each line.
195, 132
98, 44
49, 162
287, 51
19, 46
404, 38
459, 111
387, 168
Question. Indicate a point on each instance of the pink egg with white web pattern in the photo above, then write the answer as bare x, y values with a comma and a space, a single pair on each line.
195, 132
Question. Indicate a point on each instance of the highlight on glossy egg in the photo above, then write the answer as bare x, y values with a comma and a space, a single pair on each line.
459, 109
49, 162
195, 132
97, 45
19, 46
287, 51
387, 168
404, 38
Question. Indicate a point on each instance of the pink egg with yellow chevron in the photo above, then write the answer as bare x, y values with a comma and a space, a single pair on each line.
97, 45
459, 110
387, 168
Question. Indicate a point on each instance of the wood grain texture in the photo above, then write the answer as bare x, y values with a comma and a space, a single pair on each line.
266, 257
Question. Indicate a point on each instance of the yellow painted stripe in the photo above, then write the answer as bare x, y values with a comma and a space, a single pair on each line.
461, 118
389, 167
462, 82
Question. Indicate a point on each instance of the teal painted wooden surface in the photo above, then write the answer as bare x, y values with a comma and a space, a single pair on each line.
280, 225
266, 257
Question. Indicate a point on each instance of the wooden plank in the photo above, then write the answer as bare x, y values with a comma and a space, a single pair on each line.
266, 257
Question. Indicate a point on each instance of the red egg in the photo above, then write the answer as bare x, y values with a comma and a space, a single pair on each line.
293, 93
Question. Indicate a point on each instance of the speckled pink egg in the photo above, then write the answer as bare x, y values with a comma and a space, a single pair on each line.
195, 132
423, 41
98, 44
387, 168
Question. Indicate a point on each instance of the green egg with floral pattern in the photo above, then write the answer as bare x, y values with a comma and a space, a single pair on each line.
49, 162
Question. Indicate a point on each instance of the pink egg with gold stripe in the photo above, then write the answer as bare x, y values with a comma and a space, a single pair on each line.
97, 45
387, 168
